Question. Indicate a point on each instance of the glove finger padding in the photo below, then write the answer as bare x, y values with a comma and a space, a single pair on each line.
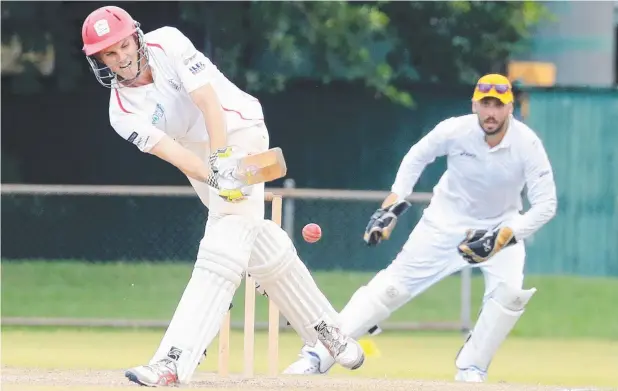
223, 163
223, 158
235, 195
477, 249
383, 222
474, 235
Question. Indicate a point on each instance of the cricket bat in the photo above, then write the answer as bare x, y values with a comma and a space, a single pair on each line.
261, 167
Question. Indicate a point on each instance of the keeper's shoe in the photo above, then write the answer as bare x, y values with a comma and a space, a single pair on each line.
319, 360
160, 374
307, 364
471, 375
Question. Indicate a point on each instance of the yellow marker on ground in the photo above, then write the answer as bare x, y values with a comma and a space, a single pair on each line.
369, 347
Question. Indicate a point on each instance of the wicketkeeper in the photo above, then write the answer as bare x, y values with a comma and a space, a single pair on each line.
473, 220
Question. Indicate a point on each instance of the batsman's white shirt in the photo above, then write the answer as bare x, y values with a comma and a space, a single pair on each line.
143, 115
481, 188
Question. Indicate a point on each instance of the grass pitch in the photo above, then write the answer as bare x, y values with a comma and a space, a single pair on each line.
419, 356
568, 337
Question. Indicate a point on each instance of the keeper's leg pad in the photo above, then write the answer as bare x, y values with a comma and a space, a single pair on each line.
222, 257
373, 303
369, 305
498, 317
276, 265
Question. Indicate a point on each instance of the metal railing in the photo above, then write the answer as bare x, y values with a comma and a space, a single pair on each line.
290, 194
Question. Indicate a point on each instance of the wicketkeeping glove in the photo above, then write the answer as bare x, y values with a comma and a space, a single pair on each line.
383, 221
480, 245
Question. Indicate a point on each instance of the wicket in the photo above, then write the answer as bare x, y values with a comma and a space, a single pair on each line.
249, 325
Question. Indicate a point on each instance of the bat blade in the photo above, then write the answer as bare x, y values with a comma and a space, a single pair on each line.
262, 167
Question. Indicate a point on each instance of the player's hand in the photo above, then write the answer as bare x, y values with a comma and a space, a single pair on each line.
479, 245
223, 159
235, 195
382, 222
224, 163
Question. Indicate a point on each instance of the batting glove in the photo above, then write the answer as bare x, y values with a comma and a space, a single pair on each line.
480, 245
223, 163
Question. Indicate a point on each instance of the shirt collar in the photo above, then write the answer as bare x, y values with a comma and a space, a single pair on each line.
508, 137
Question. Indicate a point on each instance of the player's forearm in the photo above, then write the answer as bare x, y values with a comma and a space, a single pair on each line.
183, 159
407, 176
217, 129
432, 145
413, 164
390, 200
541, 194
534, 219
207, 101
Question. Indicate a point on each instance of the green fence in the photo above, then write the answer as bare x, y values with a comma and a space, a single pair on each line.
344, 139
579, 128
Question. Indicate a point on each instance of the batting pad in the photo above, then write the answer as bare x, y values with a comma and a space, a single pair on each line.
223, 255
498, 317
276, 265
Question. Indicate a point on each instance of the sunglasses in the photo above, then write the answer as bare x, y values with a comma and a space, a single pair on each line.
500, 88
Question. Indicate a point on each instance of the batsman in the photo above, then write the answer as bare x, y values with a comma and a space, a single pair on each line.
474, 220
171, 101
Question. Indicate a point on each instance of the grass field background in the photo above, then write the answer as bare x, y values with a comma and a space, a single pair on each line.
568, 336
569, 307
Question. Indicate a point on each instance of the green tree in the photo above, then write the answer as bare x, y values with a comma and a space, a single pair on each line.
458, 41
263, 45
37, 26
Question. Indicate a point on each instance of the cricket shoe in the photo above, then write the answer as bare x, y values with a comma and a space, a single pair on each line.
471, 375
307, 364
160, 374
346, 351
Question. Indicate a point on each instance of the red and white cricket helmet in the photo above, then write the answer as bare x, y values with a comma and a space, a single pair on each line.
107, 26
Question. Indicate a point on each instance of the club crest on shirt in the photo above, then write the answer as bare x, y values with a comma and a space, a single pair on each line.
158, 114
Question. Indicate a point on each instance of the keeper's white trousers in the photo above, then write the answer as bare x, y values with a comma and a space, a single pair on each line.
430, 254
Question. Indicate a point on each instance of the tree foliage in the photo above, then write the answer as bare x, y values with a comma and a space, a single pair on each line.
458, 41
263, 45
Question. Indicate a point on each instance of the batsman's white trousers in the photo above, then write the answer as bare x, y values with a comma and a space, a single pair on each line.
251, 140
430, 254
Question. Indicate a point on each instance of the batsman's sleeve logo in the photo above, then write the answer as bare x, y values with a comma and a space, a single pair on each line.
197, 67
140, 142
132, 137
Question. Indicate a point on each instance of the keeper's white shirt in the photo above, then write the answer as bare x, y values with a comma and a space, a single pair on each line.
143, 115
482, 186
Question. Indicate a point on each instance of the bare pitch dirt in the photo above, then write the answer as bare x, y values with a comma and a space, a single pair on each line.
21, 379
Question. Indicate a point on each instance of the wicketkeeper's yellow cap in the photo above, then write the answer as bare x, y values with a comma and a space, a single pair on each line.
494, 86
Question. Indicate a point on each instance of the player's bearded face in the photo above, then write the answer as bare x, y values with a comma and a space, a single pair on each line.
492, 114
122, 58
